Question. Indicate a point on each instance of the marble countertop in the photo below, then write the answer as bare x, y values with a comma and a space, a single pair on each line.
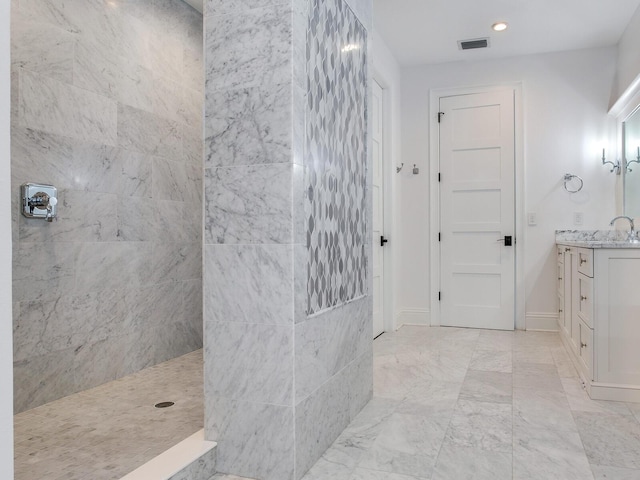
594, 239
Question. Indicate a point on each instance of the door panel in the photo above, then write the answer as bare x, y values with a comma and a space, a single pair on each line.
477, 210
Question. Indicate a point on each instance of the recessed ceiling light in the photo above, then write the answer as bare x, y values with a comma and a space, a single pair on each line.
499, 26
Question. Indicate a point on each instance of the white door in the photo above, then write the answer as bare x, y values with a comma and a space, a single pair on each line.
477, 210
378, 211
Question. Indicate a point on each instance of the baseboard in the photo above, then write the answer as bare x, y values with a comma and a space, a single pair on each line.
413, 316
541, 322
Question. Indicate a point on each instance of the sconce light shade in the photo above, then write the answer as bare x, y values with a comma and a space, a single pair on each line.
635, 160
615, 167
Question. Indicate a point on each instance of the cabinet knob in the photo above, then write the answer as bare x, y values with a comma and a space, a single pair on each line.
583, 298
560, 311
583, 345
583, 261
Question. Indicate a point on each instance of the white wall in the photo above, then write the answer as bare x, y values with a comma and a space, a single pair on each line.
386, 72
565, 103
6, 330
628, 56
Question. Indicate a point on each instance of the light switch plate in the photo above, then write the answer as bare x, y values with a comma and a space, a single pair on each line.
578, 218
532, 219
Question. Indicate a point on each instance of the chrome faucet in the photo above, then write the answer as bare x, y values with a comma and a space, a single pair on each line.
633, 235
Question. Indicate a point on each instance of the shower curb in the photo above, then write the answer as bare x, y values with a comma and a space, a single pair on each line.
194, 458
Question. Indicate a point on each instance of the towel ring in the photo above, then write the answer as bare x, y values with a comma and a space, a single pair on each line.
567, 178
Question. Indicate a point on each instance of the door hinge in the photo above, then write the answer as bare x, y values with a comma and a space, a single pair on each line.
440, 115
439, 236
439, 296
439, 177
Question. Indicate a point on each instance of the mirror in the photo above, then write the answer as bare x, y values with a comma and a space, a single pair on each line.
631, 163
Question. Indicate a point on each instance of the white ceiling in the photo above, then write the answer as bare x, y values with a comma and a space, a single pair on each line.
426, 31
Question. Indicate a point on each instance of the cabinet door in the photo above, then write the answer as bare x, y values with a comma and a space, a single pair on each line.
585, 299
585, 353
617, 316
568, 291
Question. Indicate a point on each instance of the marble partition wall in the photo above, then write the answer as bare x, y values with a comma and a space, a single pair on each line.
285, 372
107, 106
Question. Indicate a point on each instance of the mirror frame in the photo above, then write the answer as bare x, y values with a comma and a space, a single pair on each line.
621, 110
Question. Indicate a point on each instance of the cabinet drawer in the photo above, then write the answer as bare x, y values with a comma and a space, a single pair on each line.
585, 261
585, 299
586, 349
561, 313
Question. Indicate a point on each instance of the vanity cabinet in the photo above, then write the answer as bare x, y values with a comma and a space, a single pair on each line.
599, 318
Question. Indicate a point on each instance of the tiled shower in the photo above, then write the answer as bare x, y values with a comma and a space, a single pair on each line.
107, 107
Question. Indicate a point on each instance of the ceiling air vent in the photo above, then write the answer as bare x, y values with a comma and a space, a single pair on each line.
475, 43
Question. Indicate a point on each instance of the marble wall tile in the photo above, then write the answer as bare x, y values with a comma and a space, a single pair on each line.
193, 305
192, 145
134, 84
30, 38
248, 204
254, 440
43, 327
102, 168
327, 343
174, 221
39, 380
170, 181
39, 153
250, 49
193, 73
55, 107
125, 356
43, 271
249, 126
249, 284
165, 55
250, 362
167, 98
320, 419
191, 111
176, 262
361, 383
96, 67
147, 133
113, 265
81, 217
224, 7
135, 219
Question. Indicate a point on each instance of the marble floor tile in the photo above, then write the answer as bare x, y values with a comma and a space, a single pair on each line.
482, 425
491, 360
462, 463
610, 440
408, 444
613, 473
365, 474
548, 453
536, 376
108, 431
481, 386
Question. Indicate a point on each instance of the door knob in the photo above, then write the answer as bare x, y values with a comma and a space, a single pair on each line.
508, 240
383, 240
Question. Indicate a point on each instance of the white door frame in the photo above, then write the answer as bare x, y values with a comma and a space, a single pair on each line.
434, 188
389, 321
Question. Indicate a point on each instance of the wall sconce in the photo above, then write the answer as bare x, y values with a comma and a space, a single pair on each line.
615, 167
637, 160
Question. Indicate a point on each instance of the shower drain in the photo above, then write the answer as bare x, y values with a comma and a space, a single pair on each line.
164, 404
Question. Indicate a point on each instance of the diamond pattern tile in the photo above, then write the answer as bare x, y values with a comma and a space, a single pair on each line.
336, 155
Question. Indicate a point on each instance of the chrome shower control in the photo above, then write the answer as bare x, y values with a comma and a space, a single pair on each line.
39, 201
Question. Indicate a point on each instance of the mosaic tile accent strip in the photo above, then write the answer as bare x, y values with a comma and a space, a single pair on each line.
336, 156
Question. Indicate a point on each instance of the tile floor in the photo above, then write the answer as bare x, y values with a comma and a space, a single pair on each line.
449, 404
456, 404
108, 431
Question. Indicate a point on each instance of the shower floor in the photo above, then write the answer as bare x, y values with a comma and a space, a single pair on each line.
108, 431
